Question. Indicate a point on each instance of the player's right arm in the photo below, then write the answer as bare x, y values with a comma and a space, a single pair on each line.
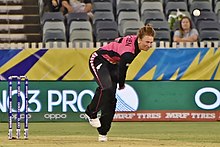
124, 63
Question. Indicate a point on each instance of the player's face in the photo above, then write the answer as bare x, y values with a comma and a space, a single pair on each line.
145, 43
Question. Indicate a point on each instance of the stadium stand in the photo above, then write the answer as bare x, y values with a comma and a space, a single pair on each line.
166, 1
205, 16
130, 1
80, 36
201, 5
52, 16
130, 27
160, 25
106, 36
149, 16
141, 1
208, 35
76, 17
103, 16
151, 6
102, 6
19, 21
53, 25
191, 1
23, 21
217, 7
54, 35
162, 35
80, 31
129, 6
208, 25
128, 16
80, 25
105, 26
173, 6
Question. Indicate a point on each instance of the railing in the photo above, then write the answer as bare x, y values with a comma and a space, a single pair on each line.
91, 45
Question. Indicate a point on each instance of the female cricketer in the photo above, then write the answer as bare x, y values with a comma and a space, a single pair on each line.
109, 65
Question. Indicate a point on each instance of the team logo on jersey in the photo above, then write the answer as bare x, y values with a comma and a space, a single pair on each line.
98, 66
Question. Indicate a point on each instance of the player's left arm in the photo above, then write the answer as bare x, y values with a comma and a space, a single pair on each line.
124, 63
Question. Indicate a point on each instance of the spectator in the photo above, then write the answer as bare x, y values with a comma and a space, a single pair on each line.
76, 6
186, 32
55, 6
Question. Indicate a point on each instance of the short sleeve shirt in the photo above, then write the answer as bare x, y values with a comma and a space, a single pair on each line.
190, 33
79, 5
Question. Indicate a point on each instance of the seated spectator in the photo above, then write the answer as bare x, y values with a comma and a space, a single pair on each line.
76, 6
186, 32
55, 6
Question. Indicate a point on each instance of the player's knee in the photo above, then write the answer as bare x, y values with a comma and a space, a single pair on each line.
108, 89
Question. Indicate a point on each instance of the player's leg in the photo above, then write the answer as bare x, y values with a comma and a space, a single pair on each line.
109, 105
108, 112
99, 68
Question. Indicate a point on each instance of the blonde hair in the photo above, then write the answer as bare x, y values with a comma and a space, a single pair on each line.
147, 30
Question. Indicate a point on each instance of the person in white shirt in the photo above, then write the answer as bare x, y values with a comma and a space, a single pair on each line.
76, 6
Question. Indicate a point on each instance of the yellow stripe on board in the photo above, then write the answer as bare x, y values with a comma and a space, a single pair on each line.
25, 53
160, 77
55, 63
138, 63
203, 70
81, 69
149, 75
175, 75
217, 76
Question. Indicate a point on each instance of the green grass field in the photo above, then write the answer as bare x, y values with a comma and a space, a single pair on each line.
122, 134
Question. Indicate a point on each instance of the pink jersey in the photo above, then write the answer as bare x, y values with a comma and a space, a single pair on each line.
122, 51
118, 47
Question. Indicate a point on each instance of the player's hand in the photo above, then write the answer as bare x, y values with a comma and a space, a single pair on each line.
122, 87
